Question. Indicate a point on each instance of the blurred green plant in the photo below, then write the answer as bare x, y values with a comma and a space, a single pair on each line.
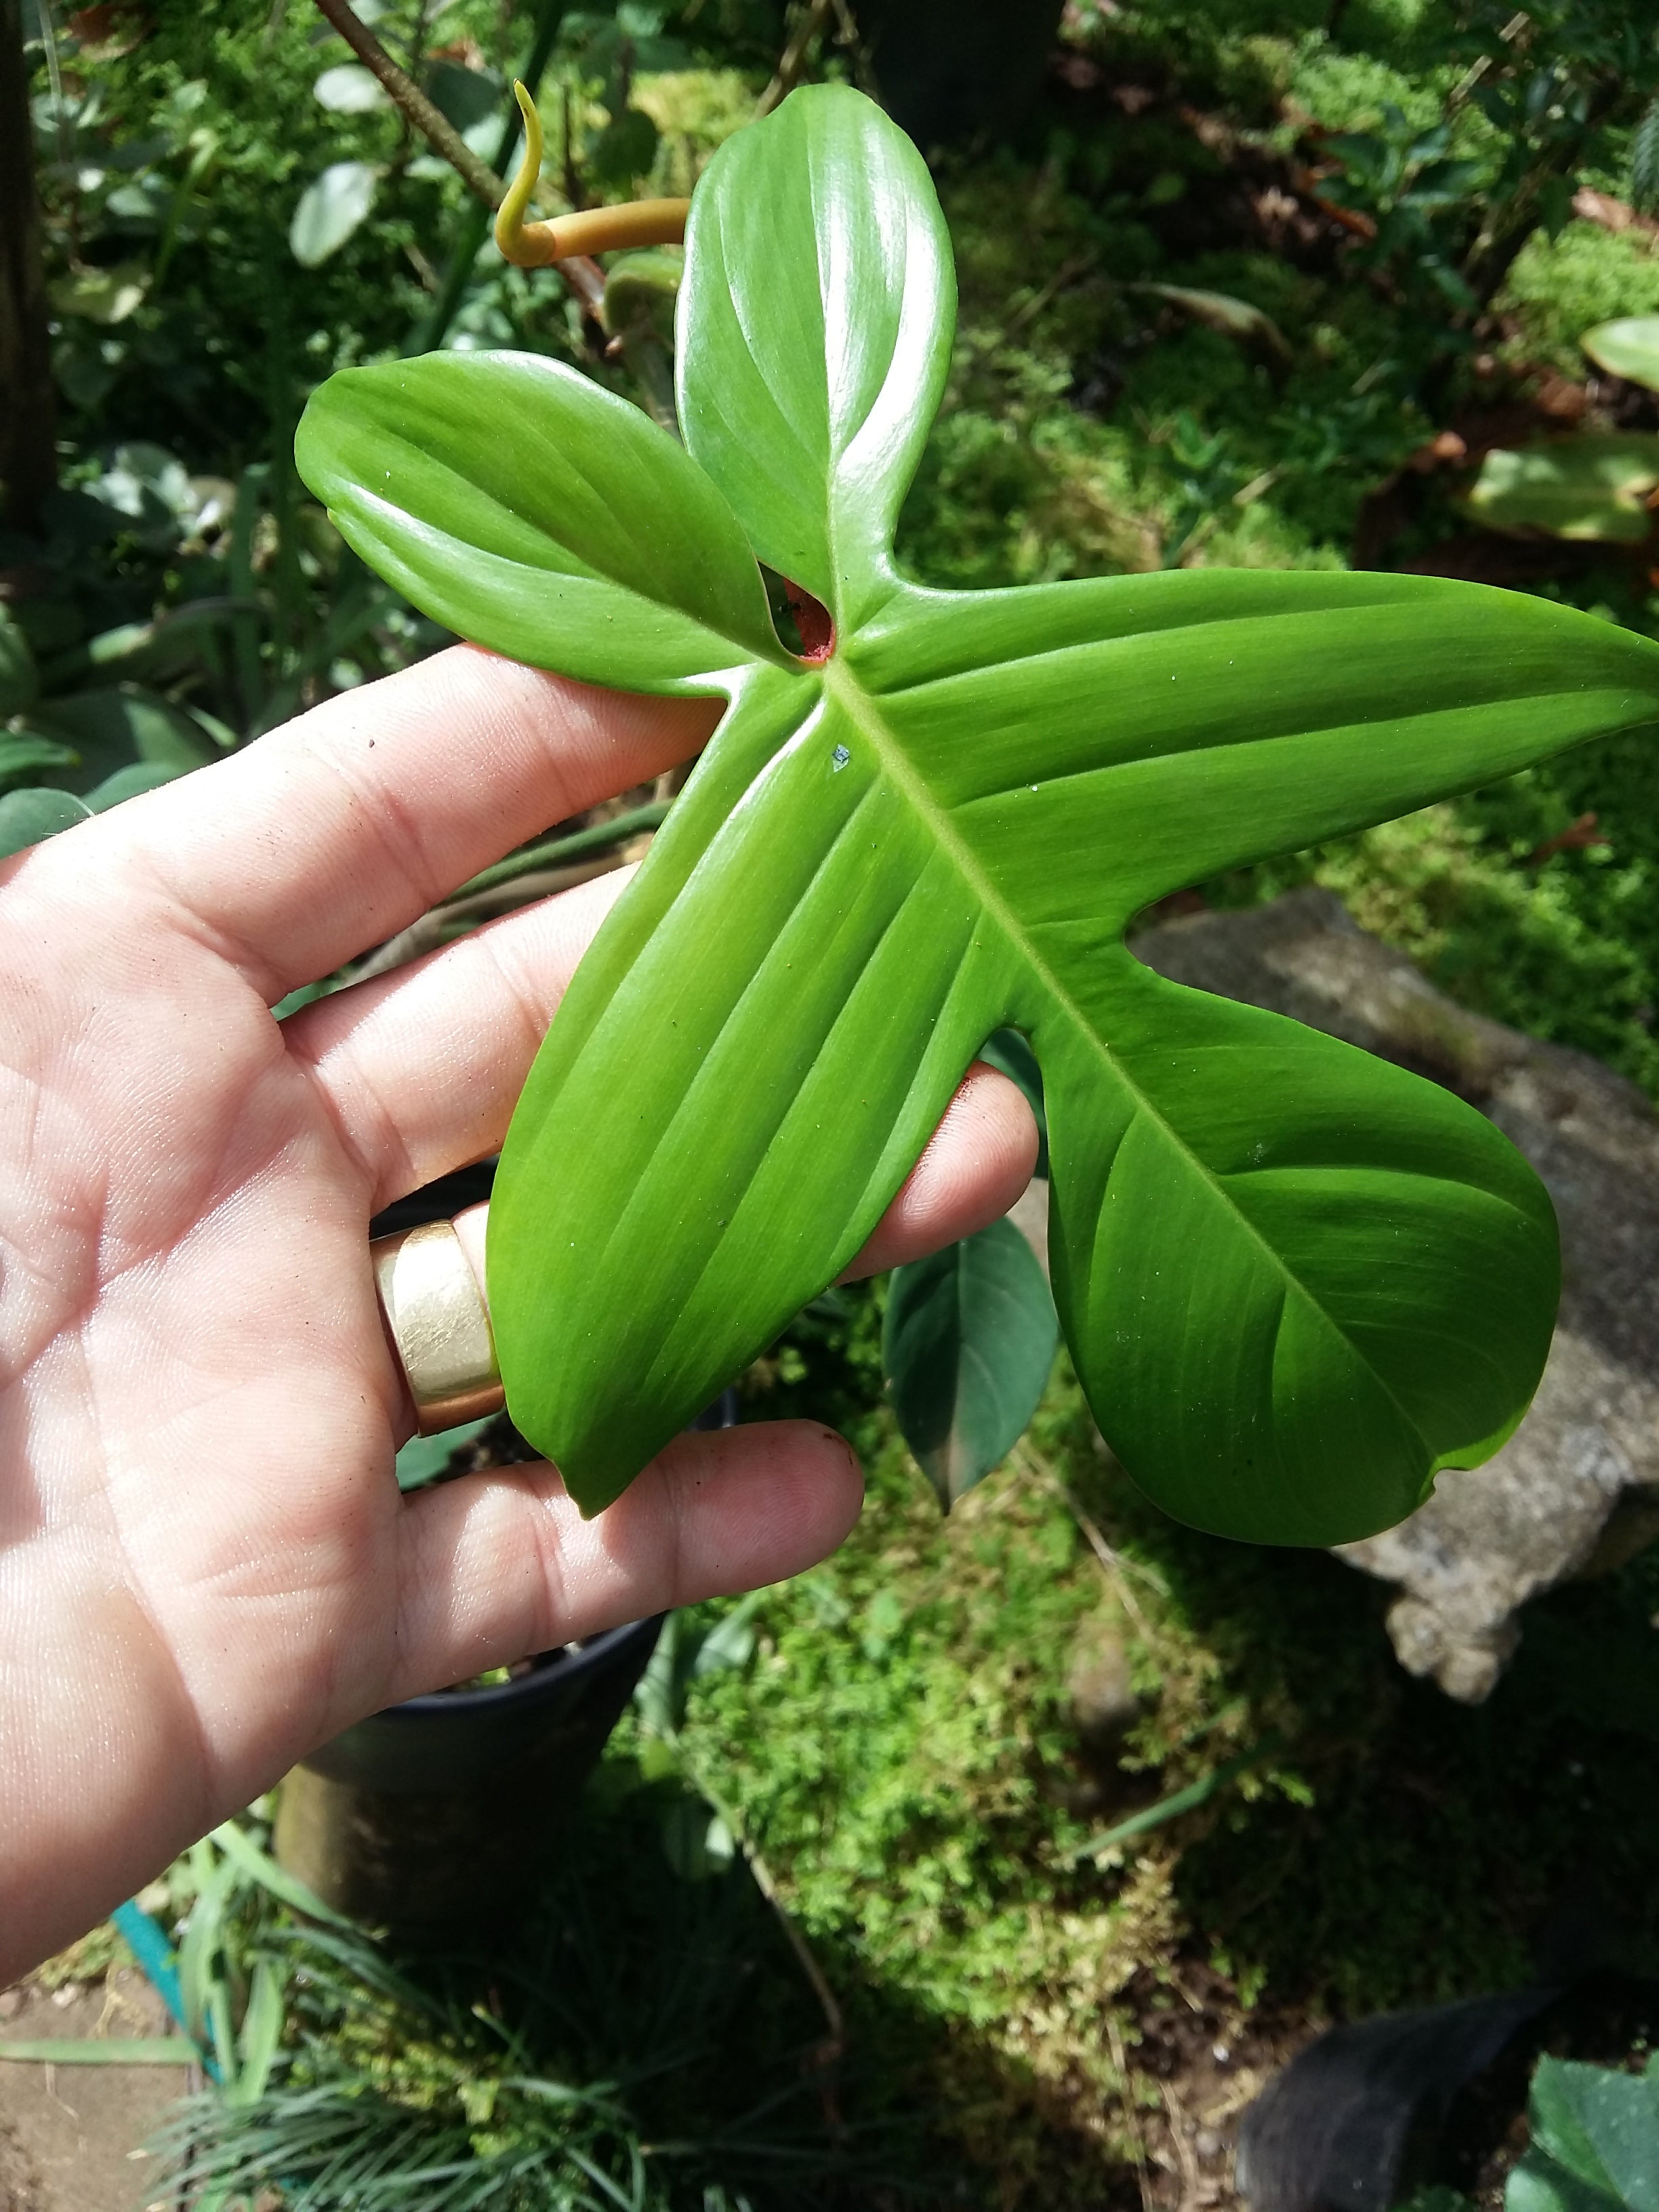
165, 618
1595, 2141
1593, 484
1645, 160
1405, 182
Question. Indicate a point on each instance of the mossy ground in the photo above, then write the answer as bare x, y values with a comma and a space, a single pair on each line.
902, 1753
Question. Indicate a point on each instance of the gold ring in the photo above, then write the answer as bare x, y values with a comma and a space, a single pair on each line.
440, 1323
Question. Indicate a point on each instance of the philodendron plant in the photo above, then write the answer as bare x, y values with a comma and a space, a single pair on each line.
1296, 1282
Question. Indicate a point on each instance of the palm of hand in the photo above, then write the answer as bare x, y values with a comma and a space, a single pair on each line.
205, 1565
198, 1402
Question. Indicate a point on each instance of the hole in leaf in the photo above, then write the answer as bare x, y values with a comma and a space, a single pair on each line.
803, 623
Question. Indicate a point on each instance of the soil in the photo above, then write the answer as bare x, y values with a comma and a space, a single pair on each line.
19, 2184
72, 2139
1201, 2059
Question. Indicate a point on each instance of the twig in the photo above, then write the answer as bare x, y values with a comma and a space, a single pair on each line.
833, 2048
793, 60
1191, 2179
1080, 264
439, 924
407, 97
1117, 1568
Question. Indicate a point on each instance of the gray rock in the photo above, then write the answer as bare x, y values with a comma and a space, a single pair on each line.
1105, 1705
1576, 1491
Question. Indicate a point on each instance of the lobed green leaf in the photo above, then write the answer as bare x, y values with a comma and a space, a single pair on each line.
815, 327
1295, 1281
528, 510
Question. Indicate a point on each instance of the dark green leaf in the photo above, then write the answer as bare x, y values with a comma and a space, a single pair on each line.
968, 1342
130, 782
467, 97
1440, 183
111, 728
1358, 151
626, 148
18, 680
1594, 2141
1451, 286
1008, 1052
27, 816
23, 752
1645, 160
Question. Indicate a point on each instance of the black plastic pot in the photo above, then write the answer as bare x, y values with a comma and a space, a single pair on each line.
556, 1717
442, 1813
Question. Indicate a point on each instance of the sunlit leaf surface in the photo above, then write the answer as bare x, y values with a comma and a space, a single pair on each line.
1295, 1281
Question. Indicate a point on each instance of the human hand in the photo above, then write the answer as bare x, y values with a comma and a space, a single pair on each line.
206, 1568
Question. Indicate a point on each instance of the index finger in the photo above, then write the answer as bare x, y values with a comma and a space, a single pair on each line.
331, 834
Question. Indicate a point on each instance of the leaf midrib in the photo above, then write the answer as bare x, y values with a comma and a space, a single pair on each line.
863, 708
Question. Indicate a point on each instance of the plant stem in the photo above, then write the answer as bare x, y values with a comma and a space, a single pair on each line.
1181, 1800
475, 223
832, 2048
406, 96
537, 870
554, 850
793, 60
1136, 2140
442, 925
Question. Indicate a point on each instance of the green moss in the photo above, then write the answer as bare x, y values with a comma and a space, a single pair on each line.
696, 110
1559, 288
1348, 87
902, 1753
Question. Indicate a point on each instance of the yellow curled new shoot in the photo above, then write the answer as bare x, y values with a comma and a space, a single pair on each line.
594, 230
